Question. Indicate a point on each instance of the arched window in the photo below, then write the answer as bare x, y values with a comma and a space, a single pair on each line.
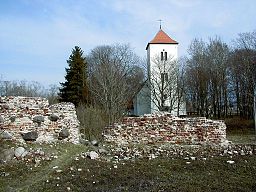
163, 56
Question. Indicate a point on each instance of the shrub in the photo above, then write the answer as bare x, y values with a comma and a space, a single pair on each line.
238, 124
92, 121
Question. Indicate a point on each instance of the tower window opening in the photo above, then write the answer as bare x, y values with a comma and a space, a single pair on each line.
163, 56
164, 77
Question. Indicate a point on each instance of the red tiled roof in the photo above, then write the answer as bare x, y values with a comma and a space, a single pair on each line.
162, 38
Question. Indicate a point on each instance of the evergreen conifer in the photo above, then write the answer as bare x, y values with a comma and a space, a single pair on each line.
75, 88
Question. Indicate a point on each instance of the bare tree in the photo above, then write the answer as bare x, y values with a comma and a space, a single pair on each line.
52, 94
247, 41
112, 78
22, 88
163, 80
197, 78
218, 56
181, 86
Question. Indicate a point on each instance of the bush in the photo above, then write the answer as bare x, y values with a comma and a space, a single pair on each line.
92, 121
238, 124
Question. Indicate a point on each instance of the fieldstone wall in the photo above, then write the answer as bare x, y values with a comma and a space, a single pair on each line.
31, 118
164, 128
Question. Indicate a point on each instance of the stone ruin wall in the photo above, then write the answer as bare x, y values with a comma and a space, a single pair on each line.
22, 115
164, 128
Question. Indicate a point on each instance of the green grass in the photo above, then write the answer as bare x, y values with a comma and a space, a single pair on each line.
22, 175
160, 174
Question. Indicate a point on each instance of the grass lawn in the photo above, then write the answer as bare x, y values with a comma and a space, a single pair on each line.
76, 173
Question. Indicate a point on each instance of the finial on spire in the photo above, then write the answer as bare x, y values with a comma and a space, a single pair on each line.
160, 22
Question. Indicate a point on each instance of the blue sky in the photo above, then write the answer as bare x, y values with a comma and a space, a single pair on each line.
37, 36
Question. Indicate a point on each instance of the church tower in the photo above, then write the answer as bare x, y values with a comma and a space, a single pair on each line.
159, 92
162, 55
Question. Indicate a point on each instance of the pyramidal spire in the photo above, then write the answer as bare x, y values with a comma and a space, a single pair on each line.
162, 38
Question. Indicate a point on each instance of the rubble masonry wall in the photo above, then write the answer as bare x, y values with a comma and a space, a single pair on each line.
164, 128
17, 117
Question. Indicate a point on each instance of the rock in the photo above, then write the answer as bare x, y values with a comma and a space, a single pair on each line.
12, 118
53, 117
102, 151
30, 136
1, 119
94, 142
225, 144
93, 155
19, 152
38, 119
230, 162
64, 133
5, 135
5, 106
6, 155
11, 106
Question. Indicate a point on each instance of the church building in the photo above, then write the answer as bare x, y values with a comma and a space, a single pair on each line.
160, 91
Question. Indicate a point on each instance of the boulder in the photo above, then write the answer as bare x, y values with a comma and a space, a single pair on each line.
5, 135
38, 119
30, 136
94, 142
53, 117
20, 152
12, 118
92, 155
64, 133
6, 155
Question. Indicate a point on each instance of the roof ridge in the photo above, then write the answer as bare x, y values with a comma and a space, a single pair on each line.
162, 37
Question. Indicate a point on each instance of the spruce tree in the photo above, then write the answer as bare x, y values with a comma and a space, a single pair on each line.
75, 88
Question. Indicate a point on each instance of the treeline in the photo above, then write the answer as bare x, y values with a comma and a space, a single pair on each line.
216, 79
220, 79
28, 89
106, 79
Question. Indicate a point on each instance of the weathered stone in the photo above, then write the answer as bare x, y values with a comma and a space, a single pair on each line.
102, 151
230, 162
11, 106
7, 155
1, 119
5, 106
94, 142
53, 117
64, 133
38, 119
19, 152
158, 128
6, 135
30, 136
27, 110
12, 118
93, 155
